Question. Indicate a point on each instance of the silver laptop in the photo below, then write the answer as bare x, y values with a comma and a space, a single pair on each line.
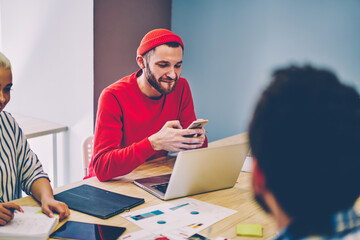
198, 171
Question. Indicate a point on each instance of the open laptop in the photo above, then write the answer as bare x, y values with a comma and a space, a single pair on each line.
198, 171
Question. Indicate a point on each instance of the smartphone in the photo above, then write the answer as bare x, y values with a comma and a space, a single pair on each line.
198, 123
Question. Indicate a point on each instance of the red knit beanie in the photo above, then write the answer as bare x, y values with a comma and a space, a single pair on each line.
157, 37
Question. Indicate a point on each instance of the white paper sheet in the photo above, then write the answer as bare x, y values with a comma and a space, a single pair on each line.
182, 218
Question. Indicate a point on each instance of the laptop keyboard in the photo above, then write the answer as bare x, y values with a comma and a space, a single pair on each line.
161, 187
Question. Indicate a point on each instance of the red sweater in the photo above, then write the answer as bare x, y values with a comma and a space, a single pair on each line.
125, 120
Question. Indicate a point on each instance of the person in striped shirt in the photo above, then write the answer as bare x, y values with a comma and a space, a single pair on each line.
20, 169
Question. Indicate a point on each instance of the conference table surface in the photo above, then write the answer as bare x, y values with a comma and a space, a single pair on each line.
238, 198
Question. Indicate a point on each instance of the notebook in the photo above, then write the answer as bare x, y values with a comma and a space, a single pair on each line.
198, 171
97, 202
32, 224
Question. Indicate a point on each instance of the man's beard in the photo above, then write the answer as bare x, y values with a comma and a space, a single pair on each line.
156, 83
260, 200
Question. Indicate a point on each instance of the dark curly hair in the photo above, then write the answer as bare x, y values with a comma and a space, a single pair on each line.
305, 135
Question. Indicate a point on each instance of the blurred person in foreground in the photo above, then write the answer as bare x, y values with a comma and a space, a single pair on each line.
305, 140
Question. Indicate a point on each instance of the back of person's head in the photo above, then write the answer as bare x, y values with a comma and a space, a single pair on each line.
305, 135
4, 62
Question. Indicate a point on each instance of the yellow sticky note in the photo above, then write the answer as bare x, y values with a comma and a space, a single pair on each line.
252, 230
41, 212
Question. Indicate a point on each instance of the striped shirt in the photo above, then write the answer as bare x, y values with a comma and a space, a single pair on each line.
19, 166
345, 226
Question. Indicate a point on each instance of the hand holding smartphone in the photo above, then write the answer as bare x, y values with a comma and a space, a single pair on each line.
198, 123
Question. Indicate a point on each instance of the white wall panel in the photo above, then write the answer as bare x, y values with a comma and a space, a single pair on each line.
50, 45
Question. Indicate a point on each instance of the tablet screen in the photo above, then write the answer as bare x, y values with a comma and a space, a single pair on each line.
87, 231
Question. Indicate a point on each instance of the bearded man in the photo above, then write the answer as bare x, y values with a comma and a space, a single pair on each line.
145, 115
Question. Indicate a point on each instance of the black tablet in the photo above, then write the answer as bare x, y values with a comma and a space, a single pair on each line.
96, 201
87, 231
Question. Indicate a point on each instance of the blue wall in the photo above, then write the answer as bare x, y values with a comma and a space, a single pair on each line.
232, 46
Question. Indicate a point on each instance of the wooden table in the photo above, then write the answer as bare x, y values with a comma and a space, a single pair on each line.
241, 137
33, 127
238, 198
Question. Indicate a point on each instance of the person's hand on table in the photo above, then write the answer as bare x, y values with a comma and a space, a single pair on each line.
7, 212
50, 205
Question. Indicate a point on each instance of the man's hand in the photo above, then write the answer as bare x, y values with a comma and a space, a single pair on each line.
172, 137
7, 212
50, 205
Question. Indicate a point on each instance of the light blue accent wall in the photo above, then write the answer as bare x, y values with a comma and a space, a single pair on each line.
232, 46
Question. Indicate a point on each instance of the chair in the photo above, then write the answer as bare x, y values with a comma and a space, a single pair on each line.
87, 151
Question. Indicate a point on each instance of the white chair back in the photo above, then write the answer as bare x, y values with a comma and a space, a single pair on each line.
87, 151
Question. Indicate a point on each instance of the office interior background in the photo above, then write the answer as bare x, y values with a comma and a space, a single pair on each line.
64, 52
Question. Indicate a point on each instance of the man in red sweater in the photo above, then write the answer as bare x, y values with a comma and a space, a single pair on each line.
144, 115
